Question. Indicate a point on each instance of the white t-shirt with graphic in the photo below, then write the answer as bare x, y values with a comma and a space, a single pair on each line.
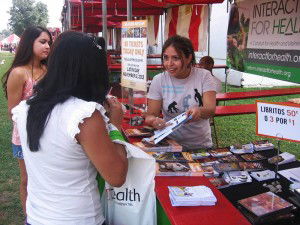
178, 95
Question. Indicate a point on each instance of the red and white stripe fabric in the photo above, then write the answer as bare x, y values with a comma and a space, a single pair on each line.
189, 21
153, 24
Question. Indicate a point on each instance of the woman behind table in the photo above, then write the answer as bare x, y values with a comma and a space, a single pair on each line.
182, 87
64, 135
27, 68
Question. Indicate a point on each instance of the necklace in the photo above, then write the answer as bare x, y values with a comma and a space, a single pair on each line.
39, 75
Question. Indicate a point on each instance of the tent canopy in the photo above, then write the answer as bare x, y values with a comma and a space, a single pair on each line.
170, 3
11, 39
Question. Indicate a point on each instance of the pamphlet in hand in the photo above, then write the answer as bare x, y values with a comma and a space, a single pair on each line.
172, 125
191, 196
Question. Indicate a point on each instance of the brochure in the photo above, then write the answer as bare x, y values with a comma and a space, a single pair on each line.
172, 125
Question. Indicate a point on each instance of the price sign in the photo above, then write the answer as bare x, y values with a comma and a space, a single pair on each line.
134, 54
278, 120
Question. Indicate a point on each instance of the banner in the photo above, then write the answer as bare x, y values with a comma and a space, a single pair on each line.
134, 54
263, 38
190, 21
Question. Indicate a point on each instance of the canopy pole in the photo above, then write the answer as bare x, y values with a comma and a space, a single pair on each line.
69, 11
130, 90
129, 9
104, 22
208, 29
82, 15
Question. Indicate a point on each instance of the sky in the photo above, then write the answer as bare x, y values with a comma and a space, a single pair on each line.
54, 12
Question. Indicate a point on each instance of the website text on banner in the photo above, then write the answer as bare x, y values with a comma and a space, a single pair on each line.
278, 120
263, 38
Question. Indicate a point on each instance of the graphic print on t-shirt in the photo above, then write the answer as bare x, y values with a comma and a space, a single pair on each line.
198, 97
172, 107
185, 102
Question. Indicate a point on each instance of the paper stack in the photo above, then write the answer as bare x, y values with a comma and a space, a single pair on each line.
191, 196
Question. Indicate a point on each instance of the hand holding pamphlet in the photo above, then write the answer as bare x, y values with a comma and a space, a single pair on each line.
172, 125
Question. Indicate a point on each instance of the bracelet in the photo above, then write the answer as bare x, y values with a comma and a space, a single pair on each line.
116, 135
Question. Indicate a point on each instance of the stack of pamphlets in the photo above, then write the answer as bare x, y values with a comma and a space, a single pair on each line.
237, 177
263, 175
262, 145
242, 149
282, 158
191, 196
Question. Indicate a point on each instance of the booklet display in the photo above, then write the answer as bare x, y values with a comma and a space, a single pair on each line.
178, 169
172, 125
139, 132
262, 145
219, 152
166, 145
282, 158
207, 161
253, 157
242, 149
171, 156
219, 182
229, 159
251, 166
265, 205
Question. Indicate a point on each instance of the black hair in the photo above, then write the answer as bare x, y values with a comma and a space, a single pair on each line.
233, 26
100, 41
182, 45
76, 67
207, 60
24, 51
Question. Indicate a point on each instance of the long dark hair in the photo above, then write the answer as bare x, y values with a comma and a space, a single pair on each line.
24, 51
182, 45
76, 67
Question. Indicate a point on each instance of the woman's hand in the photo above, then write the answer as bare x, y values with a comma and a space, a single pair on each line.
115, 112
158, 123
195, 112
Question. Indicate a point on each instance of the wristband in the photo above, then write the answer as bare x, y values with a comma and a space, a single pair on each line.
116, 135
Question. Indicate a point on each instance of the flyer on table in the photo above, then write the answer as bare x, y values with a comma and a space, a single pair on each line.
278, 120
134, 54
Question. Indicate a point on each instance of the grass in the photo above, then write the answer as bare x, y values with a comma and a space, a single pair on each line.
230, 130
10, 208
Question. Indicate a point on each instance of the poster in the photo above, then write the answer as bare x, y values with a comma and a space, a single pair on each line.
278, 120
134, 54
263, 38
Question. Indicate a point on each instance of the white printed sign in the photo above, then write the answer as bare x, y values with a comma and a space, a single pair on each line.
278, 120
134, 54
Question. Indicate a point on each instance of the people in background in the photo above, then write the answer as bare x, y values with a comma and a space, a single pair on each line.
65, 135
182, 87
207, 63
28, 67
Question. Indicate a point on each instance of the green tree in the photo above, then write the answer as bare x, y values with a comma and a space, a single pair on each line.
25, 13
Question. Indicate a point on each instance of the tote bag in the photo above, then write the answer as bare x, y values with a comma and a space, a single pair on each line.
134, 203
